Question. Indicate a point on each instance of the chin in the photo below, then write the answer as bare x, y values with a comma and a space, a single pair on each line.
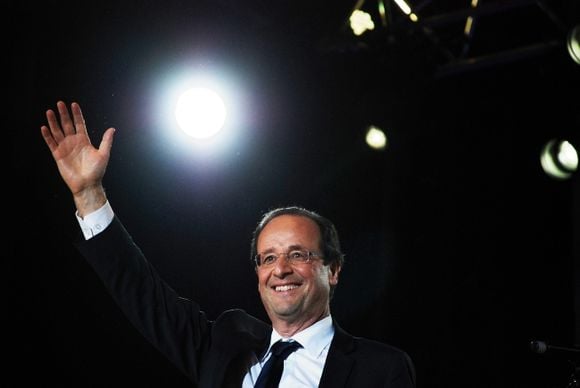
285, 313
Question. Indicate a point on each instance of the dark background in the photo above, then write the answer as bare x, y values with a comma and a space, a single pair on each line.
459, 248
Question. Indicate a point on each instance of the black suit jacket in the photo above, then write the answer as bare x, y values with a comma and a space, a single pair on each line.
218, 353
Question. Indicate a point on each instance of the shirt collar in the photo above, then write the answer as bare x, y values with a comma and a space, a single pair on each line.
314, 339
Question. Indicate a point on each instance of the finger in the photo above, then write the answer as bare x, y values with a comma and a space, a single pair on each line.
55, 130
65, 120
107, 141
79, 121
47, 135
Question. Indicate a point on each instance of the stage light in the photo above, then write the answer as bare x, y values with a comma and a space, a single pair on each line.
573, 44
403, 6
406, 9
376, 138
360, 22
559, 159
200, 112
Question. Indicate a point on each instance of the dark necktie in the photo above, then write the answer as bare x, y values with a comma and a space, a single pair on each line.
272, 371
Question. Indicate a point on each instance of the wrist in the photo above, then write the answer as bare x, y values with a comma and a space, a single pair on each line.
89, 199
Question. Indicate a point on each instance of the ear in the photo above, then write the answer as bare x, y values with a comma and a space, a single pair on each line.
333, 272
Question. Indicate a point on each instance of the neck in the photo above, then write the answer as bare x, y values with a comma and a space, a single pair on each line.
287, 328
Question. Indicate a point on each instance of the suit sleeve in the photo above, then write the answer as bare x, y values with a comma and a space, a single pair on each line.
174, 325
406, 377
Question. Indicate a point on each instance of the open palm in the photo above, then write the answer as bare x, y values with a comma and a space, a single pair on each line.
80, 164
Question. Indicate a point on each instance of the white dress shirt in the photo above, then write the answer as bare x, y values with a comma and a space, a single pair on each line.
302, 368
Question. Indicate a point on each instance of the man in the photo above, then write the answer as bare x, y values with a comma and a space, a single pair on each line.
298, 262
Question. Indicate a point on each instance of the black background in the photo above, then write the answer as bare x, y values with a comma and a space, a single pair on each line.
460, 249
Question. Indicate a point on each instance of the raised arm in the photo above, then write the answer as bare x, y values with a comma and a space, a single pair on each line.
81, 165
174, 325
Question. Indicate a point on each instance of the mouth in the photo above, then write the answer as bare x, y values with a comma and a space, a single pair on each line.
285, 287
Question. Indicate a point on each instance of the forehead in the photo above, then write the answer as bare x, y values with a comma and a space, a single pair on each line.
286, 230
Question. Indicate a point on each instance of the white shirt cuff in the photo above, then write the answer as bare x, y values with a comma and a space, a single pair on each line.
95, 222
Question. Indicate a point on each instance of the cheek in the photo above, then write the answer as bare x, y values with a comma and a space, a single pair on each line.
306, 272
319, 277
262, 280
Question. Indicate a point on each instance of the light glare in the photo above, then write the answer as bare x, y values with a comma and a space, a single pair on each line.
559, 159
200, 112
573, 44
360, 21
376, 138
403, 6
568, 156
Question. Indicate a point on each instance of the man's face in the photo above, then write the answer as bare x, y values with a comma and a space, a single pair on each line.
294, 293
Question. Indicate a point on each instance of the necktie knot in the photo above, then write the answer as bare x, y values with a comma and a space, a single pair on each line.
284, 348
272, 370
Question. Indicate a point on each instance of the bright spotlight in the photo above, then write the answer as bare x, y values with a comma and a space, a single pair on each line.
559, 159
200, 112
376, 138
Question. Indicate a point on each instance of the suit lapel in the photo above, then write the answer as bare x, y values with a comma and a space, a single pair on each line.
339, 361
236, 339
240, 359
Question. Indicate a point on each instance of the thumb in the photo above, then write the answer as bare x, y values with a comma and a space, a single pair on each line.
107, 141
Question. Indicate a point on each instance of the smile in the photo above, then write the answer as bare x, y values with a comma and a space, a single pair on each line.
286, 287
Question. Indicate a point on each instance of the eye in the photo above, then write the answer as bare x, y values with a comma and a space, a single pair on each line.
269, 259
298, 255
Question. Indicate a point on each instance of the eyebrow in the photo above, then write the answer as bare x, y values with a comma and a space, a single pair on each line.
290, 248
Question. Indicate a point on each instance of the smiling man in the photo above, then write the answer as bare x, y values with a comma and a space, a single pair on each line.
297, 259
295, 275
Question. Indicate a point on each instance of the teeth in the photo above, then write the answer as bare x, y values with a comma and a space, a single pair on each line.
286, 288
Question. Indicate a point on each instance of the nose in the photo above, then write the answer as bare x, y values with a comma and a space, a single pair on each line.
282, 266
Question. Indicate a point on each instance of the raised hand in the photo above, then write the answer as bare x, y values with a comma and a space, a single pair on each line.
81, 165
